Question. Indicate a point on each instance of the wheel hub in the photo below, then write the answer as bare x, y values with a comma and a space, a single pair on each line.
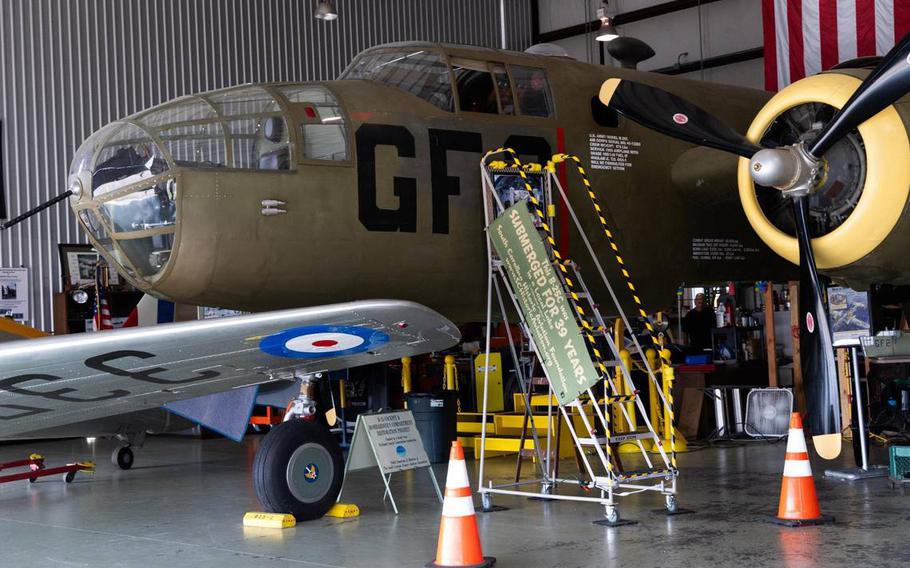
833, 190
310, 472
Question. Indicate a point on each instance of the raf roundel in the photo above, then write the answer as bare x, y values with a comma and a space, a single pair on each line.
317, 341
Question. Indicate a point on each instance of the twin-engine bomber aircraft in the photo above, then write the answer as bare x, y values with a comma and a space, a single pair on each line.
278, 196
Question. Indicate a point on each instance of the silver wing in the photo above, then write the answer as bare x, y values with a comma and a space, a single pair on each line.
63, 380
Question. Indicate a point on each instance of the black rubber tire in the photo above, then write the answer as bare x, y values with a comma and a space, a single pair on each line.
69, 477
123, 457
270, 469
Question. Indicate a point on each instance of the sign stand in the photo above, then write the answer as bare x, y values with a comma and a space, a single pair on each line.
389, 441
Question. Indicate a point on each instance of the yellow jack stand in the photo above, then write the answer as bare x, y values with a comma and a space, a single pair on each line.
671, 441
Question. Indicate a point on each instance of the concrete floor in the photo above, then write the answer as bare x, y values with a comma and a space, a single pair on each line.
183, 503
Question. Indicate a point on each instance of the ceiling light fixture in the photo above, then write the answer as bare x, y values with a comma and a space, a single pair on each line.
607, 32
325, 10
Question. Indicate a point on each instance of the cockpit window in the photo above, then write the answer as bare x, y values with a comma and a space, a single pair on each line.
150, 208
185, 111
124, 155
422, 73
504, 88
245, 100
199, 145
533, 90
323, 135
476, 89
242, 127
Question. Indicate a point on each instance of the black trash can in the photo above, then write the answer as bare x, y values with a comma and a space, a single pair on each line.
435, 415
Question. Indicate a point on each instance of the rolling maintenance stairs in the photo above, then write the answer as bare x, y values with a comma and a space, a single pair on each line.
596, 405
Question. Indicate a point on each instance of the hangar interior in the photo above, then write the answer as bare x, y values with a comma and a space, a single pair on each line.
454, 283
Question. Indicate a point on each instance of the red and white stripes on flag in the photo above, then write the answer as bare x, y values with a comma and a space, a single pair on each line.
805, 37
102, 319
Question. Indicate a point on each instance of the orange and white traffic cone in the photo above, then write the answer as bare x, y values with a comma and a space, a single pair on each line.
459, 541
798, 501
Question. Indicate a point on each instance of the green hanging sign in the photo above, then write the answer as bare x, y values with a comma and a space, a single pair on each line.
543, 302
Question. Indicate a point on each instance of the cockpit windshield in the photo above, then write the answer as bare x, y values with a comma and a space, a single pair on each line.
421, 72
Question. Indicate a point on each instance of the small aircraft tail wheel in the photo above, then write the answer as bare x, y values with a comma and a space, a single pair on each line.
298, 470
123, 457
612, 514
69, 477
672, 507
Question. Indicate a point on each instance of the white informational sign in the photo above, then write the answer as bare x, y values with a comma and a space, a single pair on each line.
612, 152
394, 440
206, 313
14, 293
391, 442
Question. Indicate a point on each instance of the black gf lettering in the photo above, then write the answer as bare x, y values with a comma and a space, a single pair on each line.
405, 189
10, 386
444, 185
99, 363
530, 146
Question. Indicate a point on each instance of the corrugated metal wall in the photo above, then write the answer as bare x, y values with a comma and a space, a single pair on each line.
67, 67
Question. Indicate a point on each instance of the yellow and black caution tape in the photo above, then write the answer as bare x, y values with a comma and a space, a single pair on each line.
558, 158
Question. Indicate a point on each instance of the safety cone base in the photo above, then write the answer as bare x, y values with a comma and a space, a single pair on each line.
822, 520
487, 561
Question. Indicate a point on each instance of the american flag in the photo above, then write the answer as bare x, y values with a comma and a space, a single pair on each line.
102, 317
805, 37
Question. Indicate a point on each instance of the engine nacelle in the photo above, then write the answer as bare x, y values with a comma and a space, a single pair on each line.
860, 215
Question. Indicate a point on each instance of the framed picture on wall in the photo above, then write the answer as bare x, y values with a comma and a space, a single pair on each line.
78, 265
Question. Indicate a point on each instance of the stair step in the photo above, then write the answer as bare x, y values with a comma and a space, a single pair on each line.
645, 474
616, 439
621, 399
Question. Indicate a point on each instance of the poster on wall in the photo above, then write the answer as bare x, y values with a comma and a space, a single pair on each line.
849, 312
2, 178
14, 293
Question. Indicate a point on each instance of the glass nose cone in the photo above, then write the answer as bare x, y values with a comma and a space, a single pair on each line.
131, 210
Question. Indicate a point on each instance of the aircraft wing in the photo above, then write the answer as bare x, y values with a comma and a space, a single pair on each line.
56, 381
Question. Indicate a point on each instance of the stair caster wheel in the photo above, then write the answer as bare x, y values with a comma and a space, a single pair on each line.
612, 515
612, 518
672, 507
123, 457
487, 506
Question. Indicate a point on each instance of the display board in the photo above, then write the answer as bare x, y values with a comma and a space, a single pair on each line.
849, 313
391, 442
546, 310
14, 294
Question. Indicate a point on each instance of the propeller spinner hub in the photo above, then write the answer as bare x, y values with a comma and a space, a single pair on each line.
790, 169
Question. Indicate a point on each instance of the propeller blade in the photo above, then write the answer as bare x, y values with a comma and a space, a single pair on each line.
815, 345
674, 116
887, 83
